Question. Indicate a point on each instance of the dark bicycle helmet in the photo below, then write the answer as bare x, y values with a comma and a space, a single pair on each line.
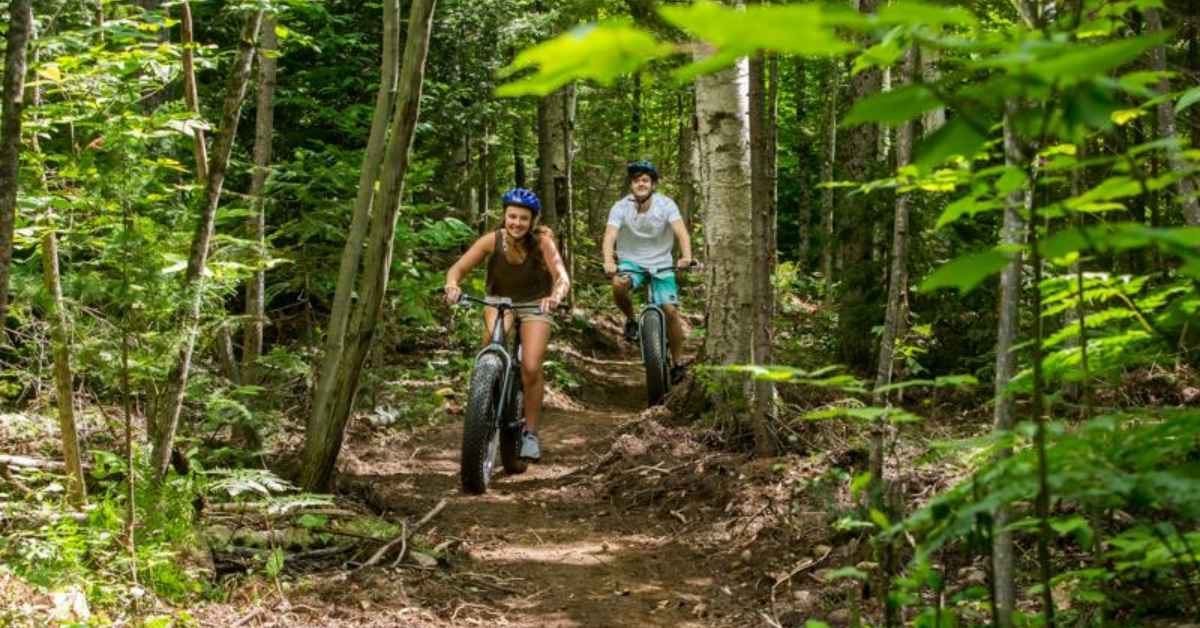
522, 198
642, 166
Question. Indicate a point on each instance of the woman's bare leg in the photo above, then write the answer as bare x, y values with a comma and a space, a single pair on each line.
535, 335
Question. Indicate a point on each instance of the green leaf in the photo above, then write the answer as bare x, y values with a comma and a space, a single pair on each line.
860, 483
311, 521
1189, 98
1085, 63
967, 206
274, 564
921, 14
894, 107
968, 271
600, 52
801, 29
847, 572
943, 381
892, 415
955, 138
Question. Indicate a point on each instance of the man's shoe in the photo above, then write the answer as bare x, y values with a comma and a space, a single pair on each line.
631, 330
677, 373
530, 449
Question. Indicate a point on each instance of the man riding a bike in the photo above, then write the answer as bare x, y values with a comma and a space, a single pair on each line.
523, 264
639, 239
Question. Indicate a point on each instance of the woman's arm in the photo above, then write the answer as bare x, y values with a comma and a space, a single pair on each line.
558, 271
474, 255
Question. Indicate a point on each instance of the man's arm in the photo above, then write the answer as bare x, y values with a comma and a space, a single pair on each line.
607, 248
685, 242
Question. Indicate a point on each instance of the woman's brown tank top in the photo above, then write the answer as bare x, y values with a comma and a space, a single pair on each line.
527, 281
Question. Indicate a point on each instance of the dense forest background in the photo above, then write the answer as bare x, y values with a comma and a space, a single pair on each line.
946, 337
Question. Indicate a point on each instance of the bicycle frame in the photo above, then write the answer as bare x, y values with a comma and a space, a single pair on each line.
652, 306
496, 346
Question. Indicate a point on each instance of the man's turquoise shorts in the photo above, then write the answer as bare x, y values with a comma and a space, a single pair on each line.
663, 289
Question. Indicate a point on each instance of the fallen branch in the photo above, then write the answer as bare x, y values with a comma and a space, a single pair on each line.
260, 508
802, 567
406, 533
34, 463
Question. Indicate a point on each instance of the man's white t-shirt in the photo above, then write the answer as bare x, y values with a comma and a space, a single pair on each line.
646, 239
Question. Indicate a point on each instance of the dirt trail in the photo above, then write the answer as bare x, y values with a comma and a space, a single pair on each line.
545, 548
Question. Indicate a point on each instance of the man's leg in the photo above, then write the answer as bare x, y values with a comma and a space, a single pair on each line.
621, 294
674, 333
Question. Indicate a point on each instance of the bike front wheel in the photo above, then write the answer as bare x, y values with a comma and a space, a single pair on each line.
654, 357
481, 436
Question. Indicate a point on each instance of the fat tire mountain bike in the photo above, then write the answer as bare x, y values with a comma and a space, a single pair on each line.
495, 405
652, 335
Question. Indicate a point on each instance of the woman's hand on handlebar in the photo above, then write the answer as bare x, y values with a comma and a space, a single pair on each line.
685, 263
548, 304
610, 268
453, 293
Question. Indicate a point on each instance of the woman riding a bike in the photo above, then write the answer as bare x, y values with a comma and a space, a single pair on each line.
523, 265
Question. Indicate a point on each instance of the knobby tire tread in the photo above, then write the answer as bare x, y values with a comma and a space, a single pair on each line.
480, 422
510, 439
657, 383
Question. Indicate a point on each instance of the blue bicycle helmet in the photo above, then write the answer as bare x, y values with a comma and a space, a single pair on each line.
642, 166
522, 198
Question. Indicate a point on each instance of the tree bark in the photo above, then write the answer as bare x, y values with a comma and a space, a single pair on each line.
857, 313
264, 129
807, 156
829, 134
190, 95
60, 336
1166, 126
556, 115
933, 119
339, 319
898, 278
172, 404
722, 105
1013, 233
687, 157
762, 190
323, 438
20, 31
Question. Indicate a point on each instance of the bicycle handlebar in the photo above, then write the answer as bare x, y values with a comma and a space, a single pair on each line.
500, 303
693, 267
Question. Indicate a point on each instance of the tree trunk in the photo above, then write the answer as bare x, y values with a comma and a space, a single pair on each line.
264, 129
829, 134
806, 156
933, 119
857, 312
1013, 233
898, 278
60, 337
1166, 125
635, 118
518, 146
762, 240
339, 318
564, 190
326, 428
724, 133
172, 404
189, 86
484, 198
687, 157
556, 115
20, 31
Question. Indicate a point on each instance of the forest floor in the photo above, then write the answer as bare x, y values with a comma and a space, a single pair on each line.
624, 522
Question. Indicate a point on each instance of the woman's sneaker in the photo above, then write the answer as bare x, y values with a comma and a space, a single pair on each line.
530, 449
631, 330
